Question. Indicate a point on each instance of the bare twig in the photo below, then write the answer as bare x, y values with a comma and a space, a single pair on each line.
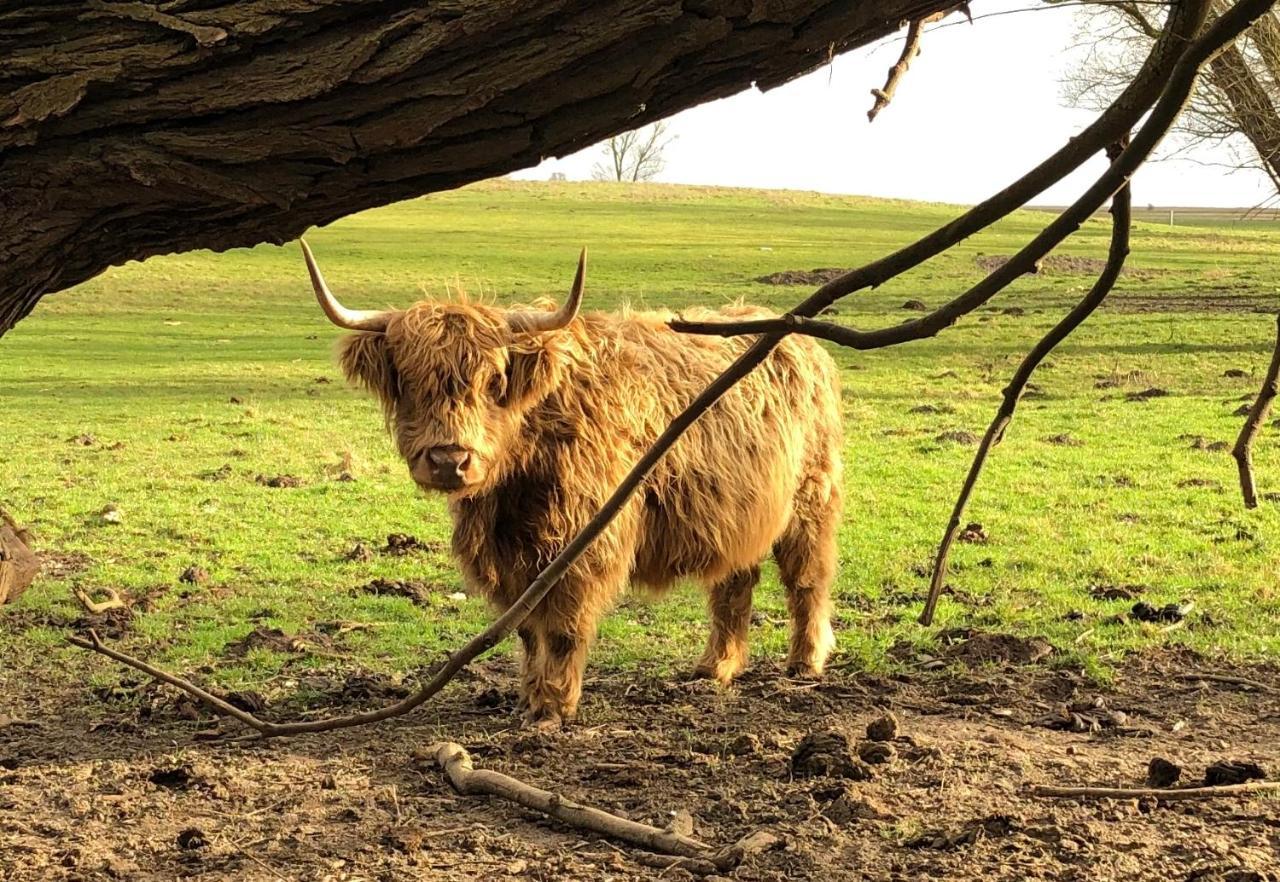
1229, 679
466, 779
1120, 227
1216, 792
899, 69
96, 608
1243, 451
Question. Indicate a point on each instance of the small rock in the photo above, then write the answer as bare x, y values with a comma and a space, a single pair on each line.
360, 553
681, 823
1162, 773
1233, 772
883, 728
111, 514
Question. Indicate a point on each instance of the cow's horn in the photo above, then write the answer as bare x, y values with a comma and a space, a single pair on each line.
351, 319
535, 322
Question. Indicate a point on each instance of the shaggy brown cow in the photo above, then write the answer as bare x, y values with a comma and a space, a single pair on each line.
529, 419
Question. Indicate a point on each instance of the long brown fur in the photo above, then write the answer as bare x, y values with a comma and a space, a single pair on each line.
555, 420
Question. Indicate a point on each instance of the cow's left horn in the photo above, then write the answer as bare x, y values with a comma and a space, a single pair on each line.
536, 322
351, 319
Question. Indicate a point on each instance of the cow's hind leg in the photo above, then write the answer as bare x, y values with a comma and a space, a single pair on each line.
729, 601
806, 554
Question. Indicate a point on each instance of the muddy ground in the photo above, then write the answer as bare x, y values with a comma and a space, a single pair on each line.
118, 784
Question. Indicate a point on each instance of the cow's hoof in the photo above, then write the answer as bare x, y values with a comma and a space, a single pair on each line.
543, 720
723, 671
798, 670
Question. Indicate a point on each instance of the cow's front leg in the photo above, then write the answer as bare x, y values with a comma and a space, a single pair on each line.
565, 628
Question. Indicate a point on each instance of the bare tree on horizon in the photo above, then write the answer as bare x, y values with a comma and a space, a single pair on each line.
634, 156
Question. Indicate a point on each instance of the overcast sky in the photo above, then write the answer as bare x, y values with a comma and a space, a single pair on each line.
980, 106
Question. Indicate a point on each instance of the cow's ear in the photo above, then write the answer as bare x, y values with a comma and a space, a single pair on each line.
366, 360
532, 374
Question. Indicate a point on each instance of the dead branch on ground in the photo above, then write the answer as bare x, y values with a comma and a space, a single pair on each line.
1215, 792
1168, 75
98, 607
899, 69
1121, 225
456, 763
1243, 451
1229, 680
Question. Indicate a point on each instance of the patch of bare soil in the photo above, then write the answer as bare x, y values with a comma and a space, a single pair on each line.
91, 789
1064, 265
819, 276
1205, 301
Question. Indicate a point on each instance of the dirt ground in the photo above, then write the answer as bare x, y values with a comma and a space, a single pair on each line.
120, 785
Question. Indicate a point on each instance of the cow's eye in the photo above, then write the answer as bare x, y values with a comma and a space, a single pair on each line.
498, 385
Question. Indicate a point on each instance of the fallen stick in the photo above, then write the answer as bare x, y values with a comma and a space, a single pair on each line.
1229, 679
1216, 792
456, 763
97, 608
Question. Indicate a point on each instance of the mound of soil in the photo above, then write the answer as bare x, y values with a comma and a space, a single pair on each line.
1063, 265
819, 276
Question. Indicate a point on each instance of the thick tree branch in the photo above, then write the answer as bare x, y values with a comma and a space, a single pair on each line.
226, 123
1121, 224
1243, 450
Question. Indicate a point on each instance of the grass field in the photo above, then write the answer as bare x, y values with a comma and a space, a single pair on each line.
168, 389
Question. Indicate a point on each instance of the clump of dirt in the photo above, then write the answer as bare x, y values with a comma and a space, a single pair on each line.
1242, 410
221, 473
1088, 716
194, 575
990, 827
976, 648
417, 591
916, 306
973, 534
85, 440
1116, 592
274, 640
64, 564
1198, 482
1167, 614
1147, 394
1233, 772
819, 276
1235, 374
112, 623
827, 755
958, 436
279, 481
1064, 440
1162, 772
883, 728
402, 544
932, 409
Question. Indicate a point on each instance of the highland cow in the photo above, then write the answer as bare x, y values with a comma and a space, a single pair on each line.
529, 419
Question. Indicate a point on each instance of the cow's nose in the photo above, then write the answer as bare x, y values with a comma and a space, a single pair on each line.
450, 460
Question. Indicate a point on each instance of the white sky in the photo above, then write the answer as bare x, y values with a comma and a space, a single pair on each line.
980, 105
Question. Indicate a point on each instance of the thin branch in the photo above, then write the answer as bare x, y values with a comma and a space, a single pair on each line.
1243, 451
1228, 679
1121, 224
466, 779
899, 69
1173, 794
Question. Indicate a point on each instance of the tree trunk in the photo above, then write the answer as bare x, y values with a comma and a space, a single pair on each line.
18, 563
134, 127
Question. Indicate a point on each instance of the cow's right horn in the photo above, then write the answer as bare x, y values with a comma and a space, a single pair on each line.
536, 322
351, 319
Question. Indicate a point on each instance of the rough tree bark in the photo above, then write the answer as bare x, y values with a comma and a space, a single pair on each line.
135, 128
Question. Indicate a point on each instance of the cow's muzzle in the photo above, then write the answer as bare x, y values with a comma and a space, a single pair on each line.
444, 468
